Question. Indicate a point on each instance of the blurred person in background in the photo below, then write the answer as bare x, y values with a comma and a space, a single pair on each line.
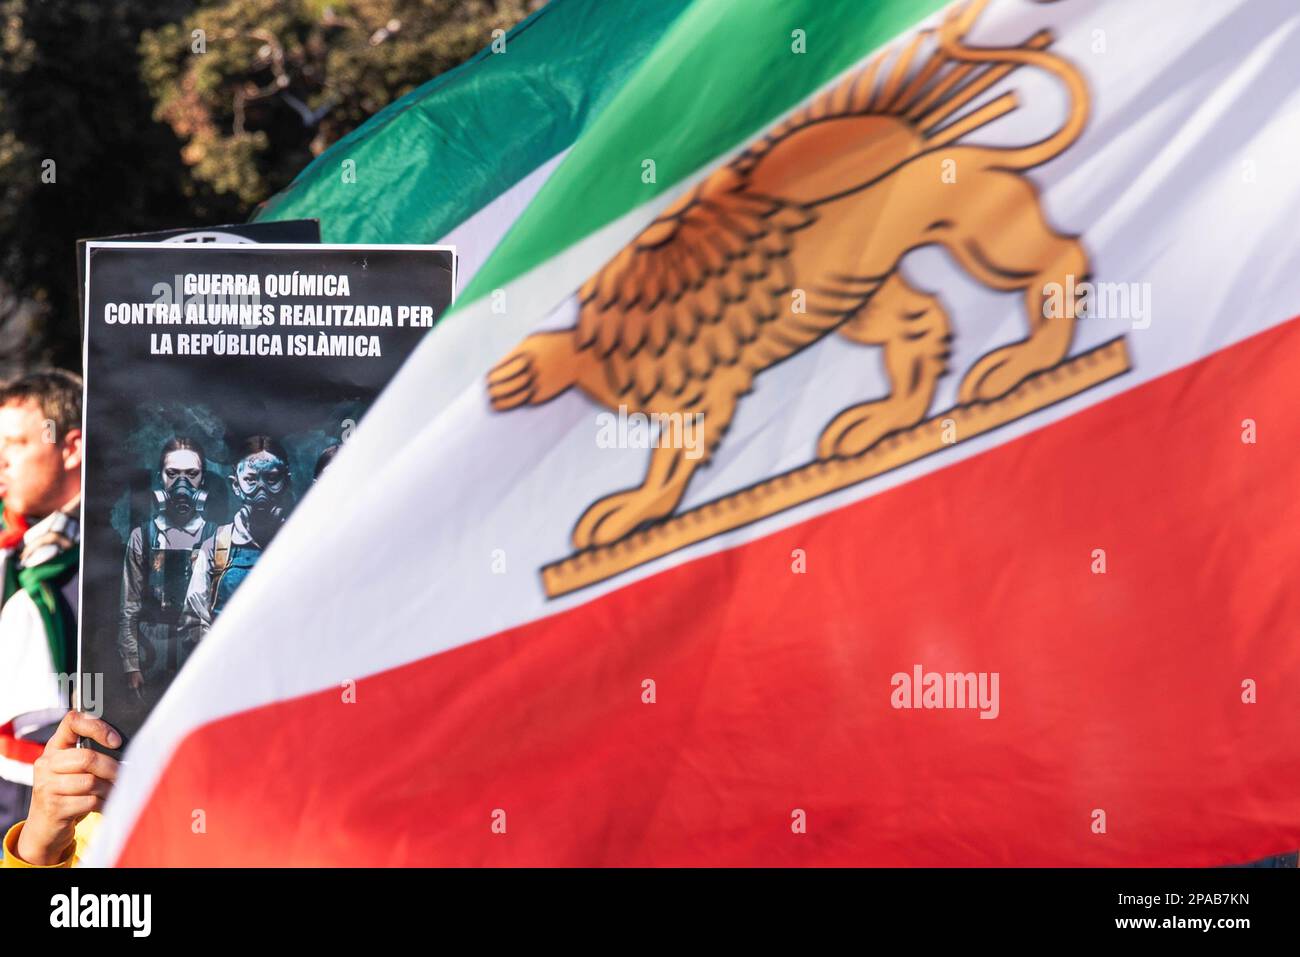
40, 472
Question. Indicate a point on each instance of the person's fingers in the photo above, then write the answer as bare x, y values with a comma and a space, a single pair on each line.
77, 806
78, 785
78, 725
72, 785
64, 736
81, 760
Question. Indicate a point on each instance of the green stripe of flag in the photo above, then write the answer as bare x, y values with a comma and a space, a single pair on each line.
442, 152
722, 71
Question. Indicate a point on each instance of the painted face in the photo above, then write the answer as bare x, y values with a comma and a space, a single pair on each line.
261, 479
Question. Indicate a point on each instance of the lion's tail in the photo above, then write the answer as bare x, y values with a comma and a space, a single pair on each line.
1033, 54
926, 95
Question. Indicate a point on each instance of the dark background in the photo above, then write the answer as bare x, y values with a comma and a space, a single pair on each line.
146, 133
136, 401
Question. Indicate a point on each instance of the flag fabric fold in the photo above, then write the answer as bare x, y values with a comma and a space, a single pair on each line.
864, 437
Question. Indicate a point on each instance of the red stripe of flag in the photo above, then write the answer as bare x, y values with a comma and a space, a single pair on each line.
1119, 692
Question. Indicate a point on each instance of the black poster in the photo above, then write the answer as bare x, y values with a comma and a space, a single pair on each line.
220, 381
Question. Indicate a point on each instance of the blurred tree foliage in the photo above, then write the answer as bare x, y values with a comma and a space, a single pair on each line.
80, 155
116, 116
257, 88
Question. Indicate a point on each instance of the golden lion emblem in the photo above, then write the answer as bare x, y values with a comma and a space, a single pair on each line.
828, 202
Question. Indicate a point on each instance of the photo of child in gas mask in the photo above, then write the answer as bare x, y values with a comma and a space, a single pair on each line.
261, 484
156, 571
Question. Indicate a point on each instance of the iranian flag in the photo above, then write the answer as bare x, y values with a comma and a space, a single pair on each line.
866, 434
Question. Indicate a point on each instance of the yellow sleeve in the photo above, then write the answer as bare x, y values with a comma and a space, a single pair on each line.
85, 828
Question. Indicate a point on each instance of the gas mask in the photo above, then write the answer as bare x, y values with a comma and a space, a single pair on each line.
261, 483
181, 497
